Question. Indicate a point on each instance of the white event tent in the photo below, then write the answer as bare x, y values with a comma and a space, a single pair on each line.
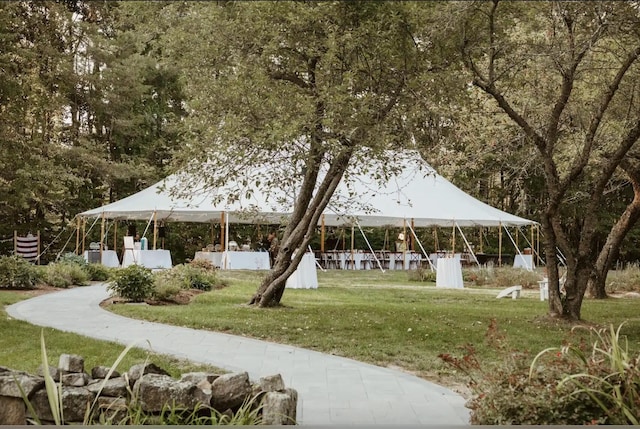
416, 196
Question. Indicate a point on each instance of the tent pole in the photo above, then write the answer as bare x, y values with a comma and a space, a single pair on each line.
423, 251
78, 236
102, 240
353, 259
212, 234
481, 239
115, 234
155, 229
436, 243
222, 236
468, 245
413, 242
369, 246
226, 238
453, 239
322, 235
500, 244
38, 260
84, 228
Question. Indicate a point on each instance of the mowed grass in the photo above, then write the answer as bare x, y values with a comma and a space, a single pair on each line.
20, 346
388, 320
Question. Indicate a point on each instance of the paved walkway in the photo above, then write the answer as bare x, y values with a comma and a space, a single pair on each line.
331, 389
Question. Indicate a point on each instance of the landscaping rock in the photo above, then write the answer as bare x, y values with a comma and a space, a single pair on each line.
197, 377
29, 384
75, 379
138, 370
75, 402
100, 372
113, 387
71, 363
12, 411
113, 410
279, 408
53, 372
271, 383
230, 391
155, 391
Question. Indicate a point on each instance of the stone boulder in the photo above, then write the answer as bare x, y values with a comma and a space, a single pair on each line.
279, 408
230, 391
71, 363
29, 384
155, 391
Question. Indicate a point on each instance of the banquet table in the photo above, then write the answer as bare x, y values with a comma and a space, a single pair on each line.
154, 259
305, 276
449, 273
237, 260
523, 261
109, 258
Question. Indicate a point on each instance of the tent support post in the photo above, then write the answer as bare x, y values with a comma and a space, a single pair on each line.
369, 246
222, 235
453, 239
500, 245
102, 240
404, 236
226, 241
481, 240
155, 230
468, 245
84, 228
353, 258
78, 221
514, 242
413, 241
422, 248
322, 232
115, 234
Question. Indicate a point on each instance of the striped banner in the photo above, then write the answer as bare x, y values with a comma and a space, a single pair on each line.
27, 247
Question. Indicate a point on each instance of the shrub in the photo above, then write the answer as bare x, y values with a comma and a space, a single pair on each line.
508, 392
203, 264
607, 374
165, 291
17, 273
189, 277
134, 283
624, 280
97, 272
422, 275
72, 258
65, 274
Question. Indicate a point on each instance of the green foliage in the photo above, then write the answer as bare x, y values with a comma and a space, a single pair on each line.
422, 275
17, 273
65, 274
72, 258
165, 290
607, 373
134, 283
98, 272
624, 280
189, 276
502, 277
515, 391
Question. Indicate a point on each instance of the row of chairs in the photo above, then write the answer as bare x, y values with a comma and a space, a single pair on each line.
367, 260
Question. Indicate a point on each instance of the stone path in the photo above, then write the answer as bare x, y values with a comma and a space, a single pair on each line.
331, 389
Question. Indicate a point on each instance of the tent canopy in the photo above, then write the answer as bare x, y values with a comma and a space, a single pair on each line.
417, 193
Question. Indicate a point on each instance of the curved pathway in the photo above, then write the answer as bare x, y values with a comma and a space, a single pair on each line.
331, 389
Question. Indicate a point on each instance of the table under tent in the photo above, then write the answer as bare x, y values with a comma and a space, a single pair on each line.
414, 197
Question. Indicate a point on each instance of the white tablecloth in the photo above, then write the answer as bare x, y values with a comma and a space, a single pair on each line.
147, 258
237, 260
306, 276
449, 273
523, 261
109, 258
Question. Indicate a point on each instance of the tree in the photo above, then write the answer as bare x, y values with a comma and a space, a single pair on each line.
305, 93
565, 73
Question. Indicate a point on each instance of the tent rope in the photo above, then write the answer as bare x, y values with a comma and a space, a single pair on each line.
422, 248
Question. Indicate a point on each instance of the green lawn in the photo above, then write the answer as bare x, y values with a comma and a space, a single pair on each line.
20, 346
385, 319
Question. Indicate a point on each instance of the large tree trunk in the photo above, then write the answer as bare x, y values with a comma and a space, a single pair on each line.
611, 249
301, 226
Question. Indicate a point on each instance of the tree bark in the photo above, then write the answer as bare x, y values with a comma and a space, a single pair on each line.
597, 281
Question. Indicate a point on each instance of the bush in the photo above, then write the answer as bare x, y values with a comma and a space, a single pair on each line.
422, 275
72, 258
624, 280
65, 274
17, 273
166, 291
189, 277
97, 272
134, 283
511, 392
501, 277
